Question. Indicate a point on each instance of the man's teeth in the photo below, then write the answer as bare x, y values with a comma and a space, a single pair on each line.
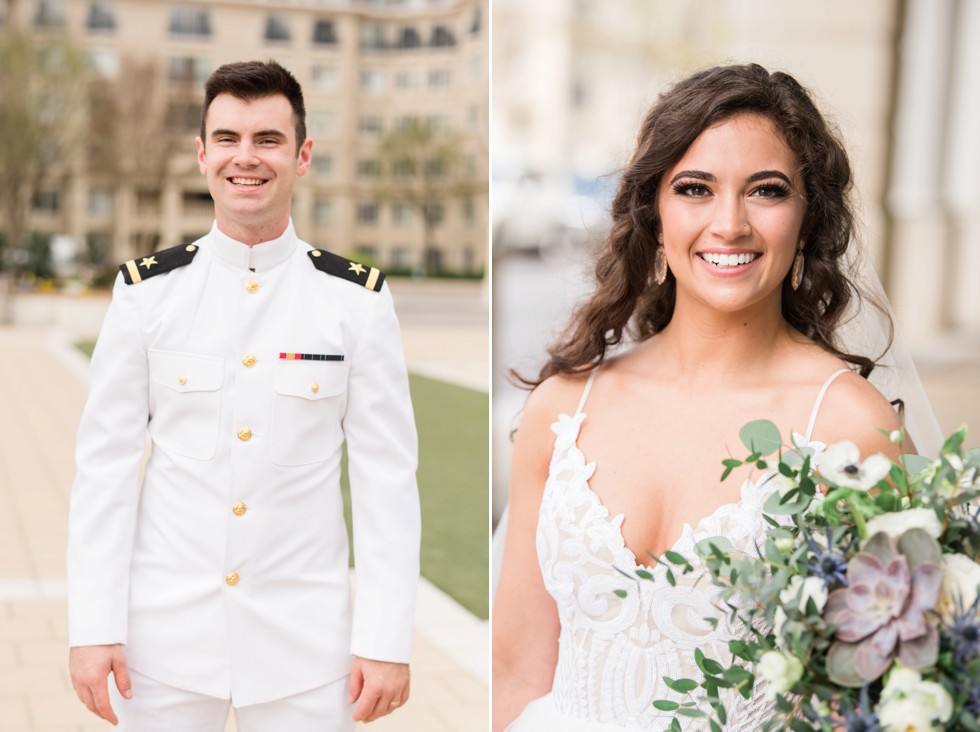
727, 260
247, 181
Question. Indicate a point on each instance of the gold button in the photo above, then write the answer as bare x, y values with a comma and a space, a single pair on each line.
252, 286
239, 509
181, 380
232, 579
244, 434
315, 253
249, 361
315, 387
191, 248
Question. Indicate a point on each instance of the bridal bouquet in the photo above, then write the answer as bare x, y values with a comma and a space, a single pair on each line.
862, 608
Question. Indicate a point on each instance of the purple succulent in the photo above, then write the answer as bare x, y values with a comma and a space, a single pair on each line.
891, 593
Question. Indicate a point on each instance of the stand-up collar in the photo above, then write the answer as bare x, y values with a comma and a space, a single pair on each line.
261, 257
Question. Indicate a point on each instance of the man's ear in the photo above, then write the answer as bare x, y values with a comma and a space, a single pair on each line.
202, 160
304, 158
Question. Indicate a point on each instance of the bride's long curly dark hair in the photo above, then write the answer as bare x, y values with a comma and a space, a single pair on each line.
626, 300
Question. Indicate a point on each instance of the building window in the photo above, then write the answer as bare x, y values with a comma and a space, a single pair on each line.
469, 166
368, 168
438, 123
439, 79
469, 211
184, 115
105, 61
321, 211
477, 21
367, 213
186, 21
401, 258
324, 77
405, 121
372, 37
322, 123
435, 168
101, 17
277, 28
407, 79
402, 214
436, 213
47, 202
100, 202
373, 81
469, 260
49, 14
442, 37
367, 253
403, 169
324, 33
322, 165
187, 69
409, 38
197, 200
370, 126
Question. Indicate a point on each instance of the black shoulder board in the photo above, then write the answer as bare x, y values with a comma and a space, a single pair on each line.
333, 264
137, 270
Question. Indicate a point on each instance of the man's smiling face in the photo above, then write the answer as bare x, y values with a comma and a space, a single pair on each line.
251, 159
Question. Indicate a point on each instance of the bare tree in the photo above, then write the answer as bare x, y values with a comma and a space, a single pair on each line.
421, 166
42, 93
132, 139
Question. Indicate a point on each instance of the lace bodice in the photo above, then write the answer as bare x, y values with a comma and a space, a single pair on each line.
614, 652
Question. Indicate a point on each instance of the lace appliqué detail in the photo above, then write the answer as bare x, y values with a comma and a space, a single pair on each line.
614, 652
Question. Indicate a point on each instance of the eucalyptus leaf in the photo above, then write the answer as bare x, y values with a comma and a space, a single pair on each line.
665, 705
681, 686
761, 436
916, 464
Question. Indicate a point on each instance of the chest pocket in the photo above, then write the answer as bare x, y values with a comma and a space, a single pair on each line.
306, 417
185, 402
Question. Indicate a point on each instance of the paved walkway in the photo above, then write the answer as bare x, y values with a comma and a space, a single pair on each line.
41, 398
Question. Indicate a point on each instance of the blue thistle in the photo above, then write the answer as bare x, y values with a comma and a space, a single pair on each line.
828, 563
963, 630
862, 717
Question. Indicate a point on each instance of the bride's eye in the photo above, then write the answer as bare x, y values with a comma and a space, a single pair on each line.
691, 190
771, 190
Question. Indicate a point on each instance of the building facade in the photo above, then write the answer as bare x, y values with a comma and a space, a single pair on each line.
368, 69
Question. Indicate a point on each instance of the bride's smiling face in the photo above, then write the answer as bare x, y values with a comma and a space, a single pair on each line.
731, 211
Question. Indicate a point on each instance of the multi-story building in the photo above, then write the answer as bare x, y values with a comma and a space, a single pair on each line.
368, 68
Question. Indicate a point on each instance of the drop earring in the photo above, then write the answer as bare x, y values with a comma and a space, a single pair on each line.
660, 262
798, 265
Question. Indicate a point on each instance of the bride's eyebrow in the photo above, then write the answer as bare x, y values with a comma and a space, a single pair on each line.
765, 174
696, 174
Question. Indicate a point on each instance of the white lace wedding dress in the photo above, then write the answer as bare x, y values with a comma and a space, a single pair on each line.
613, 652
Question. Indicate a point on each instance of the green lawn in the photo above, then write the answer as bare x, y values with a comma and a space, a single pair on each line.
454, 459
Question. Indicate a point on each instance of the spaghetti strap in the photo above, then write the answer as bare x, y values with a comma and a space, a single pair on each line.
816, 404
585, 392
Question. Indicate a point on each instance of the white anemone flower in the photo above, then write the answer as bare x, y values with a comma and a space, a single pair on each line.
842, 465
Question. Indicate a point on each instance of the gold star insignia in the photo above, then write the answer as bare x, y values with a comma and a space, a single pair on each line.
148, 262
356, 268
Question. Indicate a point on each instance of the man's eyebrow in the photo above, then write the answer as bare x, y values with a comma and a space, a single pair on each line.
270, 133
224, 133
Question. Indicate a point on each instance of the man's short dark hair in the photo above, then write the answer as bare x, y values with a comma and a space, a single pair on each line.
248, 80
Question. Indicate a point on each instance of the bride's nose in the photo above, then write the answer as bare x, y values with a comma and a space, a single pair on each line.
730, 219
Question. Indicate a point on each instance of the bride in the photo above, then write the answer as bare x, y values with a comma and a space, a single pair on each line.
725, 267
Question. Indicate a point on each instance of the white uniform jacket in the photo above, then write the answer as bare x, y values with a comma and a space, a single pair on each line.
227, 571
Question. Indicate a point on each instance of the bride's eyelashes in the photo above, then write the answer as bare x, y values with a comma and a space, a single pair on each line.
692, 189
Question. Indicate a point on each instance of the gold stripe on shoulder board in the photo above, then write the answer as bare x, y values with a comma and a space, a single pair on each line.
134, 273
372, 279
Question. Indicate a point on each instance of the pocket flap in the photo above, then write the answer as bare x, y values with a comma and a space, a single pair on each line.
185, 372
311, 379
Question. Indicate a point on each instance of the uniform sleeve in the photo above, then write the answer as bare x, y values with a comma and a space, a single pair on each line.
108, 456
382, 449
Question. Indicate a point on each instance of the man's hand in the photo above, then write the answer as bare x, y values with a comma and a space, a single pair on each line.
380, 686
90, 667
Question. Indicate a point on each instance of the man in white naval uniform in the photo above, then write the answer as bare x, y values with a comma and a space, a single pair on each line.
250, 358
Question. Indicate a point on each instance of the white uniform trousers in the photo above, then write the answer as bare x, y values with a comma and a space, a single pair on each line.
156, 707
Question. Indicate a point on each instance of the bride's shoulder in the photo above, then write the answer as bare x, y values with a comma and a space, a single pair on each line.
853, 409
556, 395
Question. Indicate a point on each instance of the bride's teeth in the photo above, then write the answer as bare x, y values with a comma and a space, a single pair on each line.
728, 260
